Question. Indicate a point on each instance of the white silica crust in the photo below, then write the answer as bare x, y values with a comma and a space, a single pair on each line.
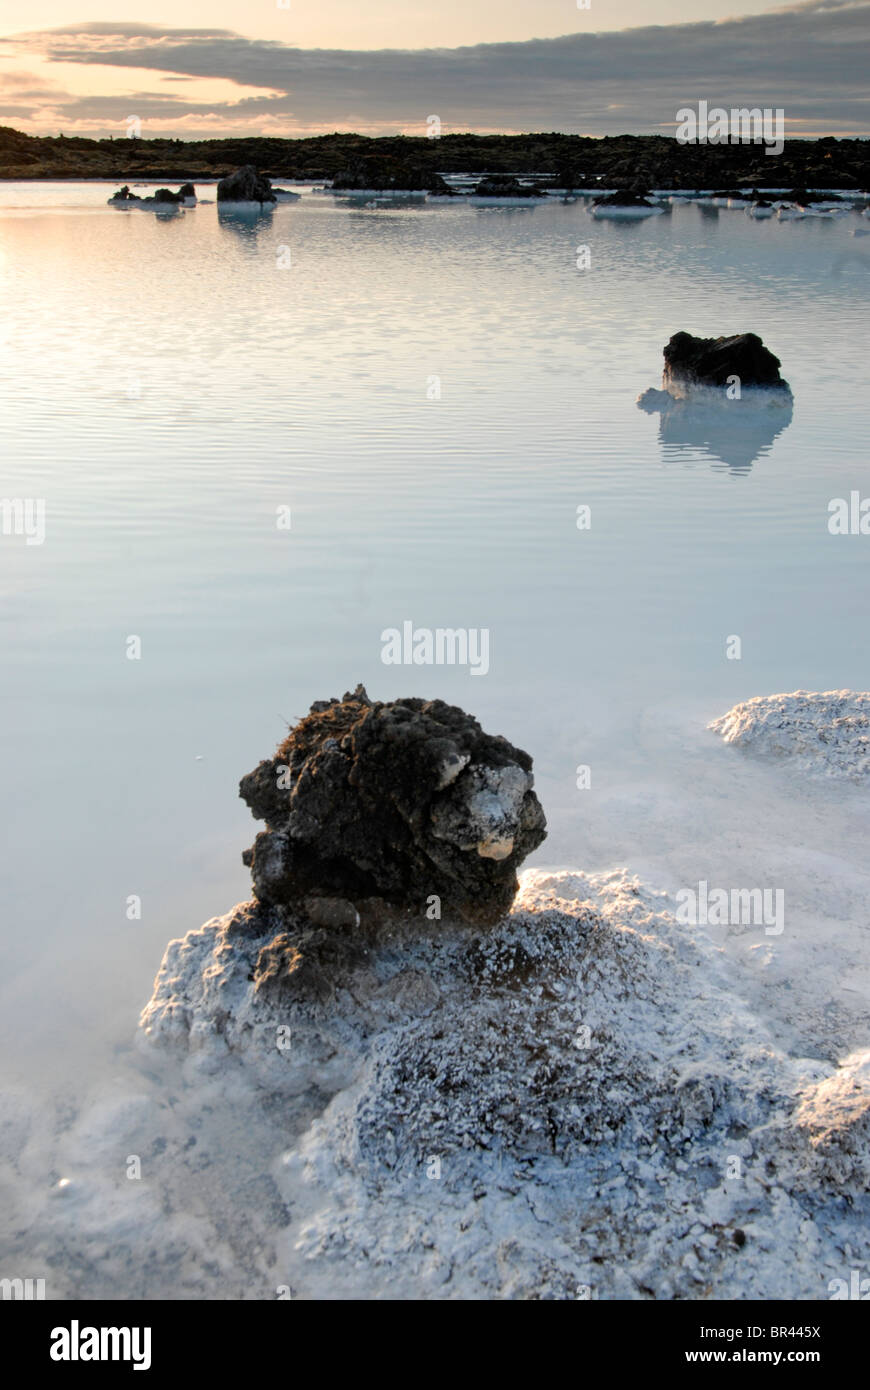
574, 1103
677, 387
822, 732
487, 820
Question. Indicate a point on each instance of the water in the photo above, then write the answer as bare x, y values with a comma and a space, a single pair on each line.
168, 385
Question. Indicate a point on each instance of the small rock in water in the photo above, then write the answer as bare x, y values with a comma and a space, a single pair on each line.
408, 801
246, 185
625, 198
162, 197
691, 361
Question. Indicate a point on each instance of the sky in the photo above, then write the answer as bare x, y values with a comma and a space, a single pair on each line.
368, 24
295, 67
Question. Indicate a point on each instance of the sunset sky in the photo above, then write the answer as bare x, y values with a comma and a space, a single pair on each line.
187, 68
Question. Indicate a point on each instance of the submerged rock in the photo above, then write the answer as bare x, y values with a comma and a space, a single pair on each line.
246, 185
691, 362
403, 801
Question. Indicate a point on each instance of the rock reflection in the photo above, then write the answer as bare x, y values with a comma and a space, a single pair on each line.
733, 432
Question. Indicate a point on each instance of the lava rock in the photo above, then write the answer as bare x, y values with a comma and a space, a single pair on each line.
162, 197
693, 361
625, 198
804, 197
398, 801
246, 185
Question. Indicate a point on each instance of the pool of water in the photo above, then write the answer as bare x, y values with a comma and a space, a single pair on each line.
427, 394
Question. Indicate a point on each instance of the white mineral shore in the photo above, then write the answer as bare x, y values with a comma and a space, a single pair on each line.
591, 1099
826, 733
575, 1103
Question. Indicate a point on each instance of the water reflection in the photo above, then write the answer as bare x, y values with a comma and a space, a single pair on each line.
735, 433
246, 222
853, 255
381, 202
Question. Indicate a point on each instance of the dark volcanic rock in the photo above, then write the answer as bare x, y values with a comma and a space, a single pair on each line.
625, 198
693, 361
246, 185
398, 801
162, 197
656, 161
805, 196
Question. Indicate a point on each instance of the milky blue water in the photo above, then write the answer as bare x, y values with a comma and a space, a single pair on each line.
432, 391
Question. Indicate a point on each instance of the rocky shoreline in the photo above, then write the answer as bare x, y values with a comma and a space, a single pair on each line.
408, 162
573, 1104
566, 1096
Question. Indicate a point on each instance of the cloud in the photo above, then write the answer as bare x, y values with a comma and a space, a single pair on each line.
27, 84
810, 58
